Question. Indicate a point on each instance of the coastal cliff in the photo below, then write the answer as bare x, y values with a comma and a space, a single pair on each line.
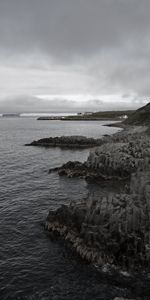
118, 157
114, 229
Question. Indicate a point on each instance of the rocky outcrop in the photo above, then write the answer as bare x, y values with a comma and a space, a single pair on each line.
120, 159
77, 169
113, 160
114, 229
67, 142
71, 169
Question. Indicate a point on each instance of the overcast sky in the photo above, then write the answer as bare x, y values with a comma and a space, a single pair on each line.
74, 55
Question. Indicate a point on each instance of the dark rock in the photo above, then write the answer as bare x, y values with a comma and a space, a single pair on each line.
114, 229
67, 142
114, 160
73, 169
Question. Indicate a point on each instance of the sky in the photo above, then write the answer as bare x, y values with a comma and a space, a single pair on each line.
74, 55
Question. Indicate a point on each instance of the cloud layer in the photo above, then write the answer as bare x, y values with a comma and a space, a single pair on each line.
99, 47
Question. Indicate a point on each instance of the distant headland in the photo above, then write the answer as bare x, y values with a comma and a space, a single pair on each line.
91, 116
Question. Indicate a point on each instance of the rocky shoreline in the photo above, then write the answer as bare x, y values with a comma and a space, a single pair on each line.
67, 142
115, 229
117, 158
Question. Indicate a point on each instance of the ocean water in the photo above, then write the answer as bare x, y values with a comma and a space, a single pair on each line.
32, 266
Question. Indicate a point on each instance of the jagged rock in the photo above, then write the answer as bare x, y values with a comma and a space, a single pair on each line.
113, 160
114, 229
73, 169
119, 159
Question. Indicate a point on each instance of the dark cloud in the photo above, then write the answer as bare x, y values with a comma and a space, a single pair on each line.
73, 28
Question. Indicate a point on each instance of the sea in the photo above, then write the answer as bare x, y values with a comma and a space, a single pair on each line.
32, 264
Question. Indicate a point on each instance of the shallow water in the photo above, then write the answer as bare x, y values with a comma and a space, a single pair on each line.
32, 266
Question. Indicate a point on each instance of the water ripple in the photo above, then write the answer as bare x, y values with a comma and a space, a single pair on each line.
31, 265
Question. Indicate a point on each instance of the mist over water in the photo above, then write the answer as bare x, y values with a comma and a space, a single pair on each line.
32, 266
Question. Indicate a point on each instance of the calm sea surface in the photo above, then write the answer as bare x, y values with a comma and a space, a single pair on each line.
32, 266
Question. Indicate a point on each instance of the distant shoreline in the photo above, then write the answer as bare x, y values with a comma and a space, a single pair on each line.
97, 116
87, 116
